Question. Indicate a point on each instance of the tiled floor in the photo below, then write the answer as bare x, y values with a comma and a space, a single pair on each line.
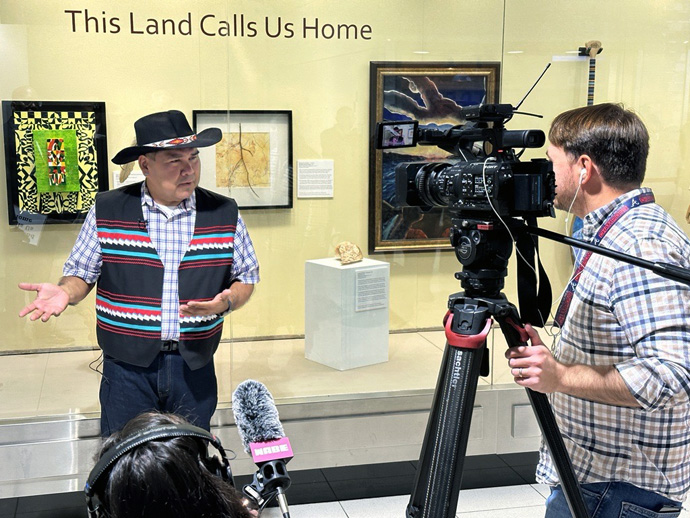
355, 487
520, 501
525, 501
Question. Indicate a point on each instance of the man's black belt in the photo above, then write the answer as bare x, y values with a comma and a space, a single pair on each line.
169, 345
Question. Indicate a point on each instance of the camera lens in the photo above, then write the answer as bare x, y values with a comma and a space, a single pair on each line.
432, 182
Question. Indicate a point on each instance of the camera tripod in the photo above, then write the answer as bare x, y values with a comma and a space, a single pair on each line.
467, 324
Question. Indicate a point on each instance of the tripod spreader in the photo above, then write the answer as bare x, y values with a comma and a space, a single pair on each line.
439, 472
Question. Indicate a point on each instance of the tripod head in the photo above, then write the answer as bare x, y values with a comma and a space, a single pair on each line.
483, 247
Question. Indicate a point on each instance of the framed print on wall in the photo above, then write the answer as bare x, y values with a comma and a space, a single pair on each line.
56, 159
253, 162
432, 93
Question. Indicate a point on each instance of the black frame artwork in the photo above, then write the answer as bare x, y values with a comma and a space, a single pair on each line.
253, 162
80, 129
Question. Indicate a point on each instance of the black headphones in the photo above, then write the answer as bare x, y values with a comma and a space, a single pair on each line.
100, 472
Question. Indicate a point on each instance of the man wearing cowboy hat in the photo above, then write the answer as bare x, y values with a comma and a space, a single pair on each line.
170, 260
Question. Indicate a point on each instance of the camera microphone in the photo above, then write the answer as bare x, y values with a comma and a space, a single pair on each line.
258, 424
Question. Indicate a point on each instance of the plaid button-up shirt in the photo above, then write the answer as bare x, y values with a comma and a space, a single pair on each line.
631, 318
170, 230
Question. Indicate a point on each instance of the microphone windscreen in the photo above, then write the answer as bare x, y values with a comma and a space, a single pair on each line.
256, 415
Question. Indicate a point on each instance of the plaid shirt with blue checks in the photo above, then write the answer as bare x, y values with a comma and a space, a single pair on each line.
631, 318
170, 231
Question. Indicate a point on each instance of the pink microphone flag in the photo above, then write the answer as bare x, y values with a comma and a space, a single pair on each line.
271, 450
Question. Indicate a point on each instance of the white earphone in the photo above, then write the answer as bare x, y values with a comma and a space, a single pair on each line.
583, 172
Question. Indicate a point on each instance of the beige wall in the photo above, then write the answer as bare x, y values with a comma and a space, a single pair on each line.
326, 85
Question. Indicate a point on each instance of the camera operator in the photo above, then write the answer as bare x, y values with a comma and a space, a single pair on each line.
619, 377
163, 477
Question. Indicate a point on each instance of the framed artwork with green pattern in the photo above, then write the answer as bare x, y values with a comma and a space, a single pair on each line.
56, 159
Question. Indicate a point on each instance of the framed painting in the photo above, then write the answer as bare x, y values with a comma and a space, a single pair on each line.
253, 162
56, 159
433, 94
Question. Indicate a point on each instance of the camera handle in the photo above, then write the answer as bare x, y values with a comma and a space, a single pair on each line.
439, 472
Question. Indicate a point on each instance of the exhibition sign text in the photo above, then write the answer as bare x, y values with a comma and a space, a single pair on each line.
235, 26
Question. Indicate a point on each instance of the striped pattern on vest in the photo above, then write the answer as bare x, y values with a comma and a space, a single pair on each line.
124, 243
129, 293
210, 247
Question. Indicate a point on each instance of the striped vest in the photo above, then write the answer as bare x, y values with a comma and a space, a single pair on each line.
130, 286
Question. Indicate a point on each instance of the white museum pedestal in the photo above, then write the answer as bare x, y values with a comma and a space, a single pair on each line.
346, 312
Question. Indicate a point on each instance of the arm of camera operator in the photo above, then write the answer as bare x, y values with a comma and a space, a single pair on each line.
535, 368
652, 312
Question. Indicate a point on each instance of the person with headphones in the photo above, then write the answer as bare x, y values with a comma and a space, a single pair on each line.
159, 465
618, 378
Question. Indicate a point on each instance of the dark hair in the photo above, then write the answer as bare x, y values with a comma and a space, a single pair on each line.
166, 478
614, 138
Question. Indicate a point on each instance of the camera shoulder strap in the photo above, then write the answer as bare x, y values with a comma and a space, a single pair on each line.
529, 291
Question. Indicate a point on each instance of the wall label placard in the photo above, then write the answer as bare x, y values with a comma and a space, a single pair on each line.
234, 26
315, 178
371, 289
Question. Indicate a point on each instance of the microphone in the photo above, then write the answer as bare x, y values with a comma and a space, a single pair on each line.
258, 424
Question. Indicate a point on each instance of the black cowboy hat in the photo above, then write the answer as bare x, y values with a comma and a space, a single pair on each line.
166, 130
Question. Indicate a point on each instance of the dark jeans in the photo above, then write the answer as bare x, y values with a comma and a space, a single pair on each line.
614, 500
167, 385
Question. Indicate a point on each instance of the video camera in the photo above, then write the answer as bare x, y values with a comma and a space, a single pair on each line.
484, 176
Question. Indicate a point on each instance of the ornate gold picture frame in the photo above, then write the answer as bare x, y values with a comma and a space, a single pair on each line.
432, 93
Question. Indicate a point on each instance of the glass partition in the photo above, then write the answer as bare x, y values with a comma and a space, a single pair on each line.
313, 60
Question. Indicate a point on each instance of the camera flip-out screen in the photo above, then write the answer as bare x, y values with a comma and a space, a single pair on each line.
391, 134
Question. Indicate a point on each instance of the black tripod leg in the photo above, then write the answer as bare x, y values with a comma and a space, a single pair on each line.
439, 473
554, 440
516, 335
